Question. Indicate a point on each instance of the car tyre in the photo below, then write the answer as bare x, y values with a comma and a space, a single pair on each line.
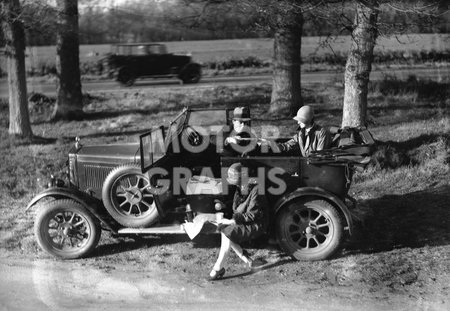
309, 229
66, 229
191, 73
126, 76
127, 196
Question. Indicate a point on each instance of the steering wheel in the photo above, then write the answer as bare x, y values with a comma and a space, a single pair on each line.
193, 137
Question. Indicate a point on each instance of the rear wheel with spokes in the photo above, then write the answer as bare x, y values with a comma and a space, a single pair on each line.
309, 229
192, 73
126, 76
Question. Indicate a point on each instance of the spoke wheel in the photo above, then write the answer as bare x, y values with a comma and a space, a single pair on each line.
65, 229
128, 197
191, 74
126, 77
309, 229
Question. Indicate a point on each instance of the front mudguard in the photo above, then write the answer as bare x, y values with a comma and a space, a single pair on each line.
318, 193
91, 204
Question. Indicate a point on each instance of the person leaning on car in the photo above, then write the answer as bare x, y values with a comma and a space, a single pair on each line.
310, 137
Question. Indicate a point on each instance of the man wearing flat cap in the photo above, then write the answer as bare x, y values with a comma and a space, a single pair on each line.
310, 137
241, 138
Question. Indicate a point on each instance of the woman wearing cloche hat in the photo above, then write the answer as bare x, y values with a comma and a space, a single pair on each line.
310, 137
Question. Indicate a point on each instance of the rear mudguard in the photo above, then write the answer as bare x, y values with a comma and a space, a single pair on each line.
91, 204
318, 193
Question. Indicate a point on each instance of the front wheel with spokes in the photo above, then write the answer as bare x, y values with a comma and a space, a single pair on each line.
127, 195
309, 229
64, 228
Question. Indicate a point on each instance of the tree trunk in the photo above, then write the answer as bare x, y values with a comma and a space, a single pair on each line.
19, 119
69, 104
286, 94
359, 64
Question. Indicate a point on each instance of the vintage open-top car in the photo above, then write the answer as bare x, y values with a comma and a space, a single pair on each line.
130, 61
175, 174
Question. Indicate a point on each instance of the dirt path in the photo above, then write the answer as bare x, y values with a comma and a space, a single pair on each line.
44, 284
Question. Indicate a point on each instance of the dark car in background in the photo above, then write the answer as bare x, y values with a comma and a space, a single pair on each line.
131, 61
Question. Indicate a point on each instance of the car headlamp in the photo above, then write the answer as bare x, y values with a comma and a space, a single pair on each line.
55, 182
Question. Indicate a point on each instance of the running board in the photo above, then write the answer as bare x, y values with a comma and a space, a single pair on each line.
164, 229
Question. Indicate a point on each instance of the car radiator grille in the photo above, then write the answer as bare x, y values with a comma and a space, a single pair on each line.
95, 175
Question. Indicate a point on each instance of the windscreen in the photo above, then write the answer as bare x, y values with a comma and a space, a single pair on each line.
175, 128
152, 147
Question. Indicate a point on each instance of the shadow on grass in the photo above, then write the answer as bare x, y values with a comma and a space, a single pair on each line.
92, 116
411, 220
425, 89
382, 109
392, 154
423, 111
418, 141
171, 106
109, 134
34, 140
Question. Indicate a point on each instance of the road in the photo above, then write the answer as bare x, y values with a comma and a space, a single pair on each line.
58, 285
49, 89
41, 284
